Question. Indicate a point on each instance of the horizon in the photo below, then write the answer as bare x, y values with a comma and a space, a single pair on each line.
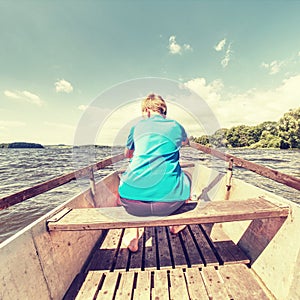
54, 66
119, 145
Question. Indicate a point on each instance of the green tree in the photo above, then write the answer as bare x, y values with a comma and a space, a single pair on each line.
238, 136
219, 139
203, 140
289, 129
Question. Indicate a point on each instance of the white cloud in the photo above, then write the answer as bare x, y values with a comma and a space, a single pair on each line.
228, 53
251, 107
274, 67
63, 86
11, 94
24, 96
225, 61
220, 45
175, 48
82, 107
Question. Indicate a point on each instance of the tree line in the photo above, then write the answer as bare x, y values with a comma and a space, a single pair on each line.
283, 134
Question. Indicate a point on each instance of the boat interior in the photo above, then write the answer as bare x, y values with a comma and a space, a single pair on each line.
240, 242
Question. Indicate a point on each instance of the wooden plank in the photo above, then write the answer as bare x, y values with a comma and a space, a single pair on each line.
211, 212
258, 235
214, 284
60, 214
178, 288
209, 258
143, 286
56, 182
275, 175
104, 257
90, 286
122, 258
177, 251
195, 284
150, 262
241, 283
125, 289
160, 288
194, 257
109, 286
136, 258
164, 255
230, 253
227, 250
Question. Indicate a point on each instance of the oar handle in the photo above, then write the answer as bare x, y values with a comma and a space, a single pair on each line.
283, 178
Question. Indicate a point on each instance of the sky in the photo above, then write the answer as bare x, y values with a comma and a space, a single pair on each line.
66, 63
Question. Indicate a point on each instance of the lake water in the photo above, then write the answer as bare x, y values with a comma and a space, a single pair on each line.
22, 168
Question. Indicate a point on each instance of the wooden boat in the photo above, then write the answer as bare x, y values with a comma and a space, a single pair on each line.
241, 243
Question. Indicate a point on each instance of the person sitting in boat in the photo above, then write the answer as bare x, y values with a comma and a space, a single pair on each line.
154, 184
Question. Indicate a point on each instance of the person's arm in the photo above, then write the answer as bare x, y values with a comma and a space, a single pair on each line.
129, 148
128, 153
185, 142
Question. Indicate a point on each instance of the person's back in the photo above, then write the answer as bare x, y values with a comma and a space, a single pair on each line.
153, 184
154, 173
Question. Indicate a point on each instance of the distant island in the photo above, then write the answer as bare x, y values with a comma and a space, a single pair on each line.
21, 145
284, 134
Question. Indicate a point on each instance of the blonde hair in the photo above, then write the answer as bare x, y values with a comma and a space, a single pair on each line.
155, 103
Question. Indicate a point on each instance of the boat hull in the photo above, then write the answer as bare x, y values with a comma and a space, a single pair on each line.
37, 264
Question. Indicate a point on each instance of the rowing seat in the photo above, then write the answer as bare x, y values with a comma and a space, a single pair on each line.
191, 213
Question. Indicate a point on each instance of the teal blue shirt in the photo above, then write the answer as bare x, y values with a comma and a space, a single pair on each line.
154, 173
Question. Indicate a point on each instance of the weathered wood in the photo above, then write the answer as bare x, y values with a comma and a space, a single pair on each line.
23, 195
193, 255
177, 251
104, 257
150, 262
123, 257
214, 284
212, 212
164, 255
238, 279
258, 235
89, 288
178, 288
226, 282
209, 257
136, 258
108, 288
286, 179
161, 288
125, 289
227, 250
143, 286
195, 284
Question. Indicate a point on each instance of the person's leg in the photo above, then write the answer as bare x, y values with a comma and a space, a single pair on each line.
165, 209
131, 238
132, 235
174, 229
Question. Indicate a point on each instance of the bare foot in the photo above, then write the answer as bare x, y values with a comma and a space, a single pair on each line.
174, 229
133, 245
131, 239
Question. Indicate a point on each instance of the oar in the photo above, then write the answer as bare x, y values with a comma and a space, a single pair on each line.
286, 179
56, 182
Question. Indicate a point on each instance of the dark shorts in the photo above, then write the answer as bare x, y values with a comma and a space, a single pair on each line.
150, 208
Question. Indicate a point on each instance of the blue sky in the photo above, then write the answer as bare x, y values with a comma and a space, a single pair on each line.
57, 57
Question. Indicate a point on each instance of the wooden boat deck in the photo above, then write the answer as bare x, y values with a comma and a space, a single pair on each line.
189, 265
